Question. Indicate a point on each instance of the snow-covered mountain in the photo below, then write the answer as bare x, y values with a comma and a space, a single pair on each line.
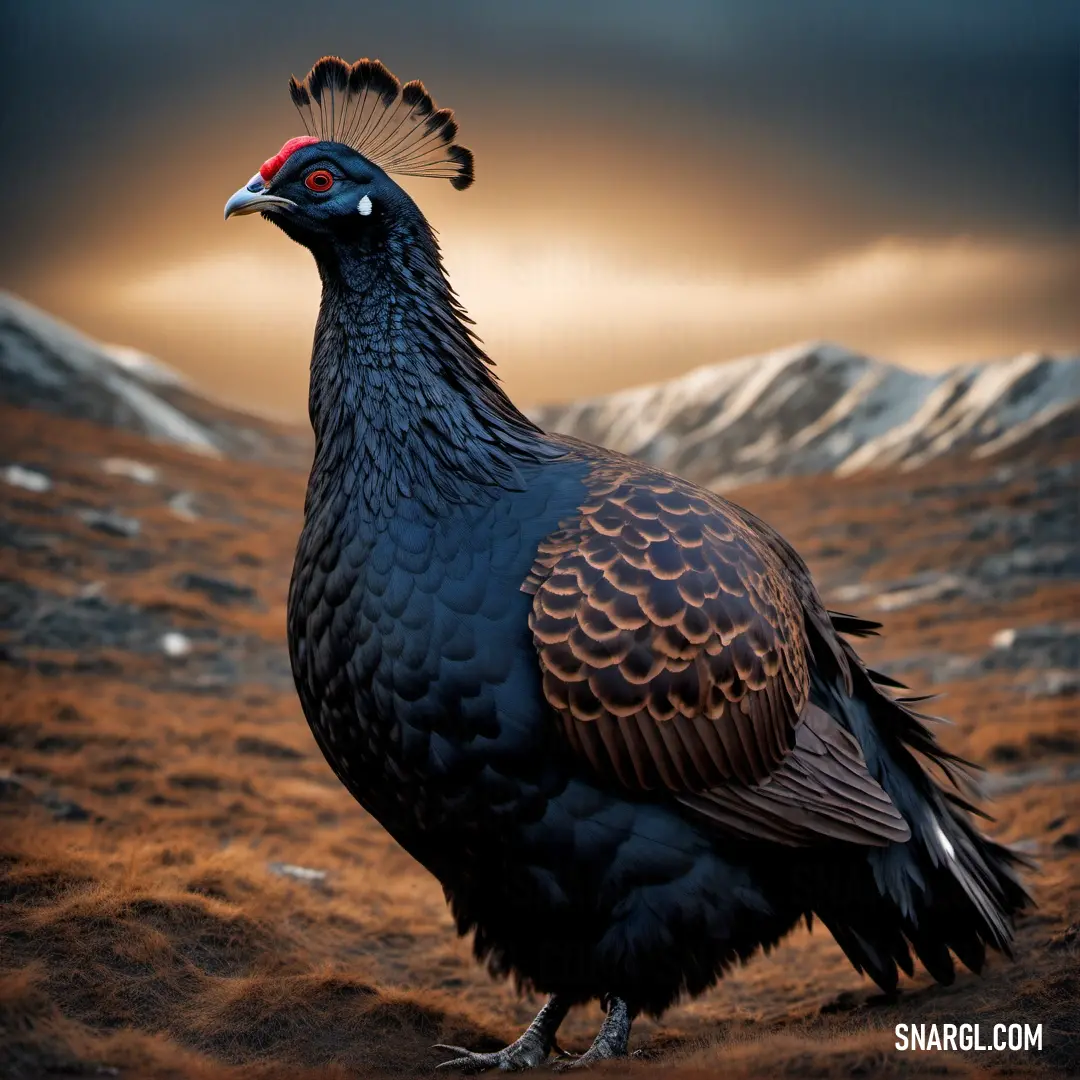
821, 408
806, 409
47, 364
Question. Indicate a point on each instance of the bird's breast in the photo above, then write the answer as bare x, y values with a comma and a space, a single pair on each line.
411, 652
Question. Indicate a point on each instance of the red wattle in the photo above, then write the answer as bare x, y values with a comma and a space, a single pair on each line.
271, 166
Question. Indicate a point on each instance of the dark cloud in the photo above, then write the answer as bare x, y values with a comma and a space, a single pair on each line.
768, 136
959, 116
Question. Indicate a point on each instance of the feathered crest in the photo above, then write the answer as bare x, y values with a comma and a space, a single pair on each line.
365, 106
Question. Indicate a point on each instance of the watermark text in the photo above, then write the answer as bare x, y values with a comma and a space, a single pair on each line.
974, 1036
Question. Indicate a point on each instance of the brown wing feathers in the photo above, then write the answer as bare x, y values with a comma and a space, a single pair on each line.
672, 642
822, 790
666, 648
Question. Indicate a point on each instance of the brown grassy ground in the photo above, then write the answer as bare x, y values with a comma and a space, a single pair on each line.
148, 803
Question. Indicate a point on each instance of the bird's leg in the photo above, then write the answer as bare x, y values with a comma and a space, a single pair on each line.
612, 1040
526, 1052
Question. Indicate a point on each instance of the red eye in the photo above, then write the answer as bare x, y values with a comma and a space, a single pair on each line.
319, 180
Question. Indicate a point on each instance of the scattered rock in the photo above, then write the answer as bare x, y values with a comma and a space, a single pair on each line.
53, 633
1026, 560
27, 479
157, 799
250, 744
182, 504
1046, 656
1047, 645
1056, 743
922, 589
1005, 754
845, 1001
211, 680
131, 469
298, 873
926, 588
997, 785
217, 590
850, 594
128, 761
117, 787
1069, 938
63, 809
111, 523
175, 645
196, 782
1051, 745
1054, 684
12, 788
59, 744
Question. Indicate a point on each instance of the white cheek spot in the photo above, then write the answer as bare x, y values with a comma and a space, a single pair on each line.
364, 206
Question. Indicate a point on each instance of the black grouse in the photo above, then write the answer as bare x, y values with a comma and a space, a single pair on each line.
606, 708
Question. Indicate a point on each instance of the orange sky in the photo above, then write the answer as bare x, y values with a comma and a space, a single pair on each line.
615, 234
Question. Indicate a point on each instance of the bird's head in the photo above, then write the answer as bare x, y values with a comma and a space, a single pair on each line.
314, 188
332, 183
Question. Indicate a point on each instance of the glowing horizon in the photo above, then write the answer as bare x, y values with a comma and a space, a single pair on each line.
653, 193
564, 319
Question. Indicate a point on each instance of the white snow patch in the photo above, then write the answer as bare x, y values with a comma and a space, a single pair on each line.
298, 873
847, 594
131, 469
110, 522
898, 599
182, 505
27, 479
162, 419
174, 644
1018, 433
142, 364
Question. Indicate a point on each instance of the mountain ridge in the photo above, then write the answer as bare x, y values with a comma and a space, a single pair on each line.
820, 407
47, 364
814, 407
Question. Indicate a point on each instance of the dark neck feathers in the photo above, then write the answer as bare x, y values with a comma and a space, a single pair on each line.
403, 401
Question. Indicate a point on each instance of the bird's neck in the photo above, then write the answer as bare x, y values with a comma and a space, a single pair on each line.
403, 402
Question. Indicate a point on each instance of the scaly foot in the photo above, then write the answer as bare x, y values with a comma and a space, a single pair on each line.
611, 1042
525, 1053
522, 1054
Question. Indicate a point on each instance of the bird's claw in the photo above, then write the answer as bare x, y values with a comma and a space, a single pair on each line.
600, 1050
611, 1040
513, 1058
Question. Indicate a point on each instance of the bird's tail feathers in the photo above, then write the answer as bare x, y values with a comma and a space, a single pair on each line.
948, 890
